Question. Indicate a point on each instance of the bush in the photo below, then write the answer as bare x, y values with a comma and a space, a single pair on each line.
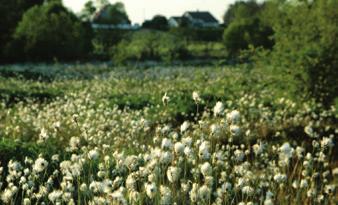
244, 32
50, 31
105, 39
198, 34
150, 45
306, 46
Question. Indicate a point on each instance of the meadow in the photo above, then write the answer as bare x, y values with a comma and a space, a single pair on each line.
213, 134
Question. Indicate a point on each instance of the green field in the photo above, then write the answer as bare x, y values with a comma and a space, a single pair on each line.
98, 134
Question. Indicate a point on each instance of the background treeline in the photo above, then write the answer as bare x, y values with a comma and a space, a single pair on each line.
296, 38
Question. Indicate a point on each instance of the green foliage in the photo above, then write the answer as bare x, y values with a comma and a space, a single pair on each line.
88, 11
112, 14
306, 45
150, 45
105, 40
244, 32
198, 34
50, 31
16, 150
241, 10
10, 14
157, 23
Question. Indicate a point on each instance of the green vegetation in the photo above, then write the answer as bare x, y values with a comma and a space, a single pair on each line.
49, 31
105, 133
241, 114
150, 45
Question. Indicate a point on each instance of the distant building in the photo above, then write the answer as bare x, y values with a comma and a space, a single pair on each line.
201, 19
198, 19
175, 21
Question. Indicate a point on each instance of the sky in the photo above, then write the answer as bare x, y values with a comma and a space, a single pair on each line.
140, 10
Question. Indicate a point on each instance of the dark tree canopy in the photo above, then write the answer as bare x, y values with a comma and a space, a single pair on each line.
10, 14
88, 11
51, 31
112, 14
244, 32
241, 9
159, 22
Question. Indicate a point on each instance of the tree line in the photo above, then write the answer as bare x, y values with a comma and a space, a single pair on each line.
298, 36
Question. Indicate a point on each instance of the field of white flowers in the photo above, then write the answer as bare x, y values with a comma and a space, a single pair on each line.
171, 135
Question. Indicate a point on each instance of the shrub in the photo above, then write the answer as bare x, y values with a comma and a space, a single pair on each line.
306, 46
244, 32
150, 45
198, 34
105, 39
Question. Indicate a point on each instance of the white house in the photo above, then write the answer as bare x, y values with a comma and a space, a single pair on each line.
201, 19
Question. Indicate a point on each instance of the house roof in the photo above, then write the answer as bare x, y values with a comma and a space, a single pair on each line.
176, 18
205, 16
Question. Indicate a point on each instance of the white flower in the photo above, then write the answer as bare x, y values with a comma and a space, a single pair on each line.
184, 126
27, 201
187, 141
7, 196
215, 129
74, 142
218, 109
179, 148
309, 131
40, 165
326, 143
165, 99
204, 193
258, 148
173, 174
93, 154
235, 130
268, 201
166, 143
43, 136
239, 155
166, 197
203, 151
130, 182
166, 157
206, 169
55, 196
280, 178
196, 97
248, 190
194, 193
233, 117
286, 151
151, 190
304, 183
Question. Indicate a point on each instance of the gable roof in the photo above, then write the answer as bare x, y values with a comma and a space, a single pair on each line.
177, 18
205, 16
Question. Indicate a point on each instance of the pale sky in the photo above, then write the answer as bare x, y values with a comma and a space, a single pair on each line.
139, 10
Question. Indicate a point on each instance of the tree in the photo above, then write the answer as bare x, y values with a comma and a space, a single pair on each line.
157, 23
241, 10
244, 32
10, 14
88, 11
51, 31
112, 14
150, 45
306, 35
